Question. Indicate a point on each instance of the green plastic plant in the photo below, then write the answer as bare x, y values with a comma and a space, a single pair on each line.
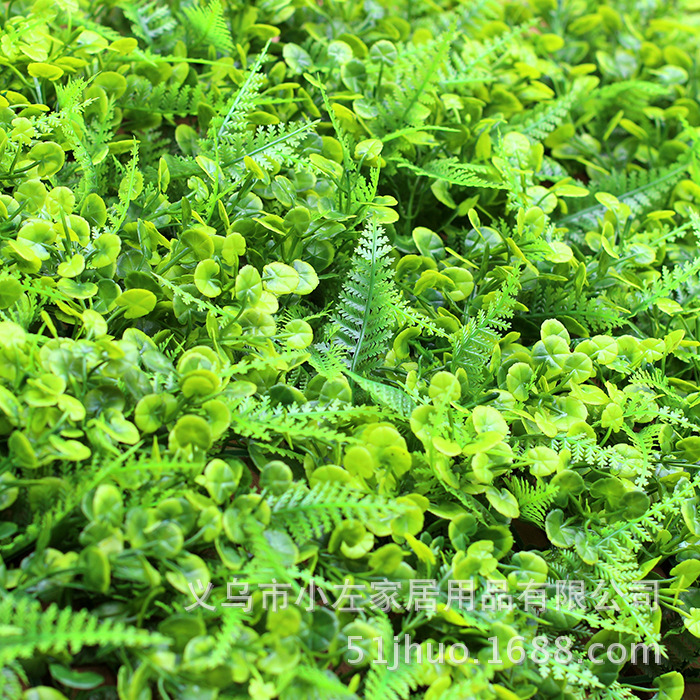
348, 298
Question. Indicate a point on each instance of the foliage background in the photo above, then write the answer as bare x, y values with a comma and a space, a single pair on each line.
326, 291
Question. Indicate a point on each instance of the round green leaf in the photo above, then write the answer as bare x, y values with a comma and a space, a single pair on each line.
559, 534
552, 352
368, 151
10, 292
299, 334
487, 419
153, 411
106, 250
94, 211
671, 685
77, 290
50, 157
137, 302
45, 71
297, 58
383, 52
193, 430
72, 267
428, 243
221, 478
692, 621
541, 460
199, 383
114, 84
308, 279
248, 285
503, 501
298, 219
445, 387
205, 278
279, 278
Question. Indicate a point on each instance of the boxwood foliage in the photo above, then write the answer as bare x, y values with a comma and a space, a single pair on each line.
326, 293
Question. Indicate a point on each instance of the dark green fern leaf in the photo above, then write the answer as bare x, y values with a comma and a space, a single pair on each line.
390, 396
473, 344
545, 118
641, 190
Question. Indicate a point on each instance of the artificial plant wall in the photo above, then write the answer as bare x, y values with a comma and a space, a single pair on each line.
348, 297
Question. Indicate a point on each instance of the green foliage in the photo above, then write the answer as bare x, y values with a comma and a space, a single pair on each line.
327, 294
307, 514
364, 315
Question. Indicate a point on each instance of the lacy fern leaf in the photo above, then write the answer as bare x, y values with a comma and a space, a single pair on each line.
397, 684
364, 316
473, 343
390, 396
29, 630
208, 27
546, 117
670, 281
309, 513
150, 20
533, 499
640, 190
451, 171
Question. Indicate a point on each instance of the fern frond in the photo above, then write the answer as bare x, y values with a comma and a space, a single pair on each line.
258, 420
416, 76
451, 171
516, 177
671, 280
654, 378
588, 452
208, 27
634, 94
244, 101
576, 671
597, 314
419, 72
364, 315
276, 143
168, 100
309, 513
533, 499
321, 684
397, 684
641, 190
225, 641
126, 188
327, 359
72, 106
12, 681
390, 396
616, 691
464, 688
539, 122
473, 344
473, 16
552, 170
28, 630
150, 20
470, 64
